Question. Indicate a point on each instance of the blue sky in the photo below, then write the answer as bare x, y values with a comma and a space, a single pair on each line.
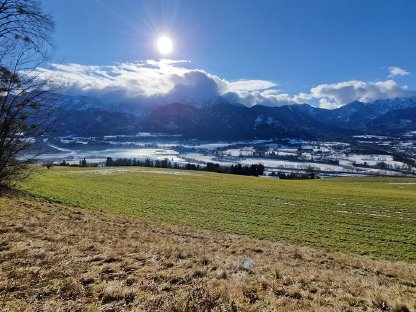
297, 45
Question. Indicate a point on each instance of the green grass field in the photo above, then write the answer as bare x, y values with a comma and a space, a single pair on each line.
368, 216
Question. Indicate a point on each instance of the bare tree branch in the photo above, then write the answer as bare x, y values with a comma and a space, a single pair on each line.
25, 98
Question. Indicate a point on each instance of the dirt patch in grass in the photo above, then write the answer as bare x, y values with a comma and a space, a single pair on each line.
59, 258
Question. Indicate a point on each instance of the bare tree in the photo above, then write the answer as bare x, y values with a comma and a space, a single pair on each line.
25, 45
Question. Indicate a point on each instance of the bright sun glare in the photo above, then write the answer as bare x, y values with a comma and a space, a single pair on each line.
164, 45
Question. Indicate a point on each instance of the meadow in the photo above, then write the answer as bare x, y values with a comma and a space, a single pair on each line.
365, 216
57, 258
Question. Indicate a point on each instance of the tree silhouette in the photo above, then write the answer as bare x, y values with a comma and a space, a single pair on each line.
25, 98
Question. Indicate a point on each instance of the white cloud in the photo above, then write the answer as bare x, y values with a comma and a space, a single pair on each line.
302, 97
260, 98
151, 83
397, 71
346, 92
325, 103
250, 85
161, 82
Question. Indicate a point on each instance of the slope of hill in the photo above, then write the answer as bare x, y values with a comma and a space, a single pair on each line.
225, 121
229, 121
60, 258
367, 216
94, 122
358, 115
395, 122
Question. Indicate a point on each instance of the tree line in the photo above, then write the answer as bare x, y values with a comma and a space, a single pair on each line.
252, 170
248, 170
294, 175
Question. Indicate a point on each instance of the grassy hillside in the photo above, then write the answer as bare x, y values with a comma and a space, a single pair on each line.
368, 216
60, 258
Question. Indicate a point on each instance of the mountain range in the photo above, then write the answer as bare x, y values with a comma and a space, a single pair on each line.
223, 120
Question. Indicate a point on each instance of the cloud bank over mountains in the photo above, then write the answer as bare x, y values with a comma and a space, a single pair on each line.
342, 93
166, 81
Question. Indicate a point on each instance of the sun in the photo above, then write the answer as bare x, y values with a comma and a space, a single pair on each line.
164, 45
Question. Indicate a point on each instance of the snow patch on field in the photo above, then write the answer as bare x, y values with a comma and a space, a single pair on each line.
364, 213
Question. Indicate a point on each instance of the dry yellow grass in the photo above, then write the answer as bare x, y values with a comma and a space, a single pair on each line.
59, 258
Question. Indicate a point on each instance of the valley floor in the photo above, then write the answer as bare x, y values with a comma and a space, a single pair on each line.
59, 258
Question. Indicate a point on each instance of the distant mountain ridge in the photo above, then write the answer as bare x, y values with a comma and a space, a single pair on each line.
222, 120
229, 121
383, 117
358, 115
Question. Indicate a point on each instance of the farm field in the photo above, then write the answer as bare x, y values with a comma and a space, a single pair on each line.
366, 216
